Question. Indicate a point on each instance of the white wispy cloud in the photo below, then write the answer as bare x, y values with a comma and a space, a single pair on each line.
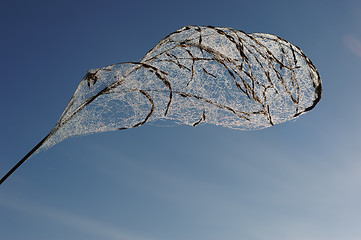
353, 44
83, 223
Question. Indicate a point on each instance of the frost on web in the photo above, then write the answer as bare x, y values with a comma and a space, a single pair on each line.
197, 74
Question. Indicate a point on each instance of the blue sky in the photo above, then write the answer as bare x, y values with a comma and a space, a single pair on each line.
297, 180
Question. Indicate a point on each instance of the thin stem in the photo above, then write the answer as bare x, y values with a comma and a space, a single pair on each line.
32, 151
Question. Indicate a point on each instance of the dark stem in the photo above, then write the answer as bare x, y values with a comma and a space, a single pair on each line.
32, 151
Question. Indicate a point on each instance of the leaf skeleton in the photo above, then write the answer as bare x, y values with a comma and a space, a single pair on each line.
197, 74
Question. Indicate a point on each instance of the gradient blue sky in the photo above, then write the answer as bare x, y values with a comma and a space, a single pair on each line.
299, 180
